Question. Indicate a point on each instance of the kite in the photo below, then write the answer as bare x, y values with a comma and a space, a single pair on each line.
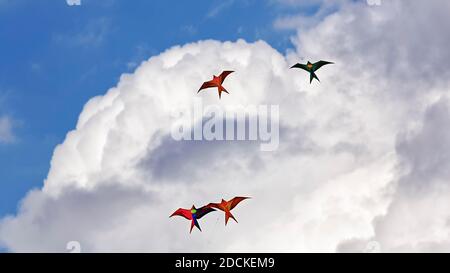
217, 82
226, 206
193, 214
311, 68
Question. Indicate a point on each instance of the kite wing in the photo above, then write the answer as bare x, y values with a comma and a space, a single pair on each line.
203, 211
214, 205
236, 201
301, 66
183, 213
207, 85
224, 75
319, 64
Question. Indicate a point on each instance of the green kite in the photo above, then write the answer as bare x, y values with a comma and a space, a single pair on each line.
311, 68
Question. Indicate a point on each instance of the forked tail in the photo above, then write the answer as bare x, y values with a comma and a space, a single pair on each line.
222, 89
312, 76
228, 215
194, 223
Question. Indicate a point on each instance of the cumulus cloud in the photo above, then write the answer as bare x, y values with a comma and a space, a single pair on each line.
422, 196
384, 44
357, 159
306, 20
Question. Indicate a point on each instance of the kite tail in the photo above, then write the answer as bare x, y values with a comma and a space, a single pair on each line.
221, 88
312, 76
228, 215
194, 223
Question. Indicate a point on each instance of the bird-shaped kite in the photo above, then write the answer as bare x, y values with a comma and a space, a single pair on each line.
226, 206
193, 214
217, 82
311, 68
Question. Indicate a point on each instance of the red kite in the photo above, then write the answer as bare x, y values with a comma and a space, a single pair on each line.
226, 206
193, 214
217, 82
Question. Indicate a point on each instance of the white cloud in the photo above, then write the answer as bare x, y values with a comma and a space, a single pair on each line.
215, 10
73, 2
423, 190
307, 20
345, 173
92, 34
381, 39
6, 130
374, 2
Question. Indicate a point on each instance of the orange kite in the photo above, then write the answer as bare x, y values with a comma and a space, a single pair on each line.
217, 82
226, 206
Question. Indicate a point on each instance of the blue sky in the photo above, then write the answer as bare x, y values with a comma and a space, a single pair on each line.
55, 57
